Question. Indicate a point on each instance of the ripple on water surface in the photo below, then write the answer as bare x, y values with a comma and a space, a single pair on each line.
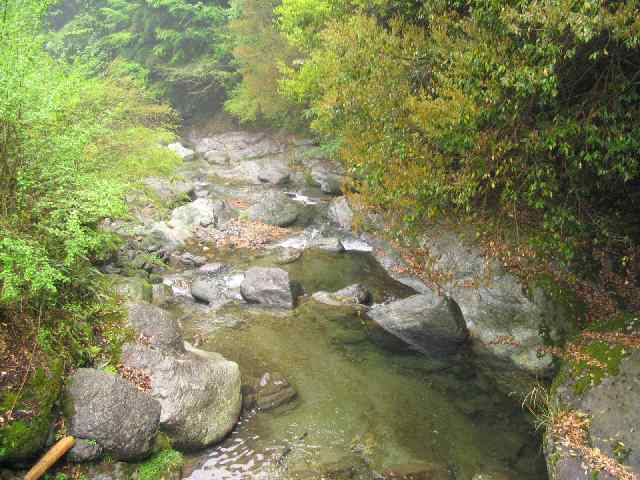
362, 408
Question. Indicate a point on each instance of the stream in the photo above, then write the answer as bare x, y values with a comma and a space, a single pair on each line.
367, 407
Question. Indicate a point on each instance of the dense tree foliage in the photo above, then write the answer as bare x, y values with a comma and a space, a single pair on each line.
528, 109
61, 131
178, 46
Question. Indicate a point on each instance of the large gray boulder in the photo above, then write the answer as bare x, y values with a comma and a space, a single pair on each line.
430, 323
275, 208
267, 286
105, 408
238, 146
201, 213
612, 406
199, 392
504, 317
215, 285
340, 213
158, 327
274, 173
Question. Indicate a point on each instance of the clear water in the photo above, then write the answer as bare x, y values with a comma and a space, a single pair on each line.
364, 405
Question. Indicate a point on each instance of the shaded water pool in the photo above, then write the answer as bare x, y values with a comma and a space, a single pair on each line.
364, 406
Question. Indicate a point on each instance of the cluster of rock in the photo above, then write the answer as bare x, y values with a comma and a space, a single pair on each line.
502, 320
193, 396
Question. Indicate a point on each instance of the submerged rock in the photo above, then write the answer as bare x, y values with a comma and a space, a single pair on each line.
330, 244
613, 408
199, 392
493, 476
270, 391
268, 286
340, 213
426, 471
105, 408
430, 323
275, 208
353, 295
287, 256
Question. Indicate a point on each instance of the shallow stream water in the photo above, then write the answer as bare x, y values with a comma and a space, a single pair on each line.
365, 403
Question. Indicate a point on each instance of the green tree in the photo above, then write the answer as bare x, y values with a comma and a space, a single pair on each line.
180, 47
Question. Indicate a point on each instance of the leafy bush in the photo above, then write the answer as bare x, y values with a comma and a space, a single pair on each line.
524, 109
179, 47
260, 52
71, 145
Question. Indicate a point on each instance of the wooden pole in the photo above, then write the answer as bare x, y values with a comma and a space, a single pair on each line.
50, 458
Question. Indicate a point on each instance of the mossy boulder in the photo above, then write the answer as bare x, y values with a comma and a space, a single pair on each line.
111, 411
23, 440
611, 400
133, 289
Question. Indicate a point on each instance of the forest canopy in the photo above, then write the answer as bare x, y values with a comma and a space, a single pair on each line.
526, 109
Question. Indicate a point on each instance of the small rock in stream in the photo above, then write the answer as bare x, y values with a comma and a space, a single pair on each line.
268, 286
275, 208
287, 256
352, 295
270, 391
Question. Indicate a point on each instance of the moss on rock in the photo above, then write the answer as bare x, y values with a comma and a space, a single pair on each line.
22, 440
164, 465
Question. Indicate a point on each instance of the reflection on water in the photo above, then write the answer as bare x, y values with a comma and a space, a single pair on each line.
362, 408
